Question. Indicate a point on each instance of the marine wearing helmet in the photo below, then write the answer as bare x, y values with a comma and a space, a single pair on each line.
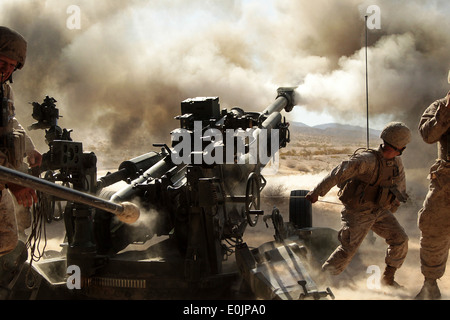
13, 51
372, 185
396, 135
433, 221
15, 144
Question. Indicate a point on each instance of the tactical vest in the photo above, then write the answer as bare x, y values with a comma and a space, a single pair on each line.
379, 192
12, 140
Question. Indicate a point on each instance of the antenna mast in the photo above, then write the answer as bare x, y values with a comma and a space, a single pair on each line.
367, 88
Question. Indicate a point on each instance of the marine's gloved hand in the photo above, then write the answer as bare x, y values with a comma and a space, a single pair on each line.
24, 196
447, 104
34, 158
312, 197
394, 206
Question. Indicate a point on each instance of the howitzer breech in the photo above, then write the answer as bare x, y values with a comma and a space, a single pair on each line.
126, 212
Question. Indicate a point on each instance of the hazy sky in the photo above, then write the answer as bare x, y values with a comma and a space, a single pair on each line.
123, 71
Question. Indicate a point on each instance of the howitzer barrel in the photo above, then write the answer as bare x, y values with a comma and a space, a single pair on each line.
130, 169
284, 100
156, 171
126, 212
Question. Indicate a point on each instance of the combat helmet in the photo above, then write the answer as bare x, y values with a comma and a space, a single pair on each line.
396, 134
13, 46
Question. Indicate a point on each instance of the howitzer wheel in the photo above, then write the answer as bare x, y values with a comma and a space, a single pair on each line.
252, 199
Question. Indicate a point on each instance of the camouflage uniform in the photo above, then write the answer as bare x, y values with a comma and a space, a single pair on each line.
15, 144
360, 180
434, 217
13, 158
8, 224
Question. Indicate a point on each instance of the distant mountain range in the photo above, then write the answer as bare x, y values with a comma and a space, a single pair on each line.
333, 129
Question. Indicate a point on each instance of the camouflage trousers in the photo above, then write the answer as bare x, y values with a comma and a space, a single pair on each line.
355, 226
434, 223
8, 223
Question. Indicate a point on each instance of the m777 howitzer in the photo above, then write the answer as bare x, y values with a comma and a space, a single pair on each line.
211, 173
205, 189
196, 199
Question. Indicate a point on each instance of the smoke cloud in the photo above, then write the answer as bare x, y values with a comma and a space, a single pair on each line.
121, 76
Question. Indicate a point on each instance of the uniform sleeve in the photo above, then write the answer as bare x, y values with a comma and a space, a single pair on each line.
434, 122
401, 183
29, 145
346, 170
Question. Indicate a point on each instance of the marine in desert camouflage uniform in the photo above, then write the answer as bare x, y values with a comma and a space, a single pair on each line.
15, 144
372, 185
434, 217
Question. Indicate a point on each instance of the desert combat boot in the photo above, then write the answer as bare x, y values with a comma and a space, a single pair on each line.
388, 277
429, 291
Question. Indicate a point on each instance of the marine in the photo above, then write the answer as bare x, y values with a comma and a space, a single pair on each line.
434, 216
15, 145
372, 186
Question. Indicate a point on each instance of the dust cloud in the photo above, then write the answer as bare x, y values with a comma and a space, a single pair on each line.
407, 65
121, 76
